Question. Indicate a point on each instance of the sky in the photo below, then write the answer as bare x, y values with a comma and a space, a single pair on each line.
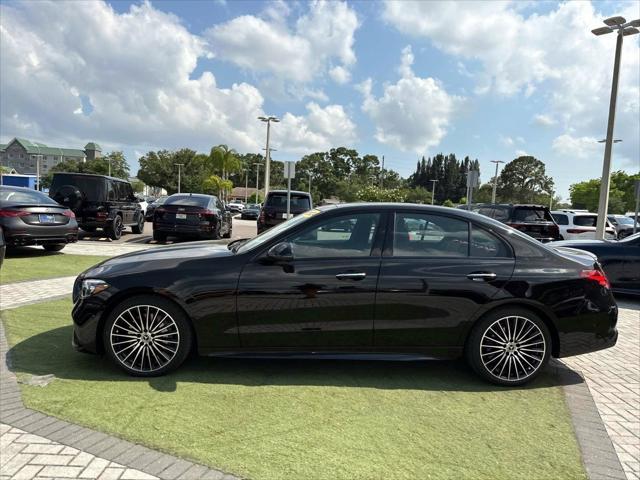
491, 80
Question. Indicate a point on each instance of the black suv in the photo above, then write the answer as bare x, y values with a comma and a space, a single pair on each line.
274, 210
99, 201
534, 220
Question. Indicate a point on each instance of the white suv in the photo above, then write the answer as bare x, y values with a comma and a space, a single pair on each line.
580, 225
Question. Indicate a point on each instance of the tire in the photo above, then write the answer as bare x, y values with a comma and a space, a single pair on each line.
494, 355
139, 227
159, 237
228, 234
141, 353
216, 232
114, 231
54, 247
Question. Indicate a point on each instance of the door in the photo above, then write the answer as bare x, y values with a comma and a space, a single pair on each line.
437, 270
324, 297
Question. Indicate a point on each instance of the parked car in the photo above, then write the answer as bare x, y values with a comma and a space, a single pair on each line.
576, 225
620, 260
192, 215
30, 217
274, 209
151, 208
143, 206
622, 224
354, 279
98, 201
534, 220
235, 206
3, 247
251, 212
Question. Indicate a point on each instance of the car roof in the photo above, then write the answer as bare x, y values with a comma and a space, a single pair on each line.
15, 187
115, 179
186, 194
297, 192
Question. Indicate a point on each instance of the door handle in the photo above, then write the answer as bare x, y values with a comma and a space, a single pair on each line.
351, 276
481, 276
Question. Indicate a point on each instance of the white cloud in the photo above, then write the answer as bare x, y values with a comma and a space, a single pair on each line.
544, 120
412, 114
521, 153
576, 147
506, 141
323, 36
135, 69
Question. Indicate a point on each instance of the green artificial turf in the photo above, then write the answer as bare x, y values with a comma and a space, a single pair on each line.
31, 264
305, 419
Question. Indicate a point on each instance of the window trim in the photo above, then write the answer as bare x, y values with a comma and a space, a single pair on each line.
493, 234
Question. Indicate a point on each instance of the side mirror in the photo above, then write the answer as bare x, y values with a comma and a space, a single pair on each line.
281, 252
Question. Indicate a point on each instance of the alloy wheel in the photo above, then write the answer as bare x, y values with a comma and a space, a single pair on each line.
512, 348
144, 338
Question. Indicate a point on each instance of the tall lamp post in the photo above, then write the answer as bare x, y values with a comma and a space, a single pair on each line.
433, 190
180, 165
38, 161
495, 180
246, 184
624, 29
257, 181
267, 165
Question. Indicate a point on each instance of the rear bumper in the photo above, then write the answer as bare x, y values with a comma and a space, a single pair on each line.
40, 235
203, 230
597, 333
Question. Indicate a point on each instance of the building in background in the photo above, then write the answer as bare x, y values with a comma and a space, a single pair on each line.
21, 155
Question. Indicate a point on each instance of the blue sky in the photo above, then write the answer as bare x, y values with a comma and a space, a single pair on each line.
492, 80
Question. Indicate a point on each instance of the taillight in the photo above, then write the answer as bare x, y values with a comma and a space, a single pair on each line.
261, 217
596, 276
13, 213
69, 213
206, 213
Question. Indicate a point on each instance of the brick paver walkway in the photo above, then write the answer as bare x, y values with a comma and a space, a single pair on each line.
613, 377
13, 295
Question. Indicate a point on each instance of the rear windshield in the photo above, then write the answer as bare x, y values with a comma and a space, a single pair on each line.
93, 189
279, 200
24, 197
585, 220
187, 201
531, 214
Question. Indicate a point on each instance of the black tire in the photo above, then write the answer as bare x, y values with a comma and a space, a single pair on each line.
228, 234
492, 351
159, 237
114, 231
139, 227
216, 232
157, 358
54, 247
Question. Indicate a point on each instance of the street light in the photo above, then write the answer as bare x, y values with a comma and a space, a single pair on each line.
257, 181
38, 160
617, 140
246, 184
495, 180
433, 190
180, 165
624, 29
267, 165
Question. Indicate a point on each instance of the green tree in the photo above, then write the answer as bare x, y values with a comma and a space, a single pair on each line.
448, 203
417, 195
98, 166
138, 186
373, 193
159, 169
587, 194
215, 185
524, 180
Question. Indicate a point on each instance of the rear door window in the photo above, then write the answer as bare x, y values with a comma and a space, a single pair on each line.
531, 214
425, 235
560, 218
487, 245
585, 220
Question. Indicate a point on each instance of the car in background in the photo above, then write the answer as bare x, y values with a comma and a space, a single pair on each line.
250, 212
3, 247
235, 206
620, 260
622, 224
29, 217
534, 220
354, 280
576, 225
190, 215
274, 208
151, 208
99, 202
143, 205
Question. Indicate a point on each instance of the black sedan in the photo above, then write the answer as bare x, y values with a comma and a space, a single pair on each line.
191, 215
620, 260
250, 212
361, 279
151, 207
29, 217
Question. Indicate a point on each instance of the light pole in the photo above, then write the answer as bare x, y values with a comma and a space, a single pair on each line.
309, 183
495, 180
38, 160
257, 181
433, 190
624, 29
246, 184
109, 159
267, 165
180, 165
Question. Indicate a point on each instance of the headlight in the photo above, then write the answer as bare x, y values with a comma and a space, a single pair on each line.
92, 287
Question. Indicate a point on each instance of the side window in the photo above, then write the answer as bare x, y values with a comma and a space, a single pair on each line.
345, 236
560, 218
485, 244
501, 214
112, 193
128, 191
425, 235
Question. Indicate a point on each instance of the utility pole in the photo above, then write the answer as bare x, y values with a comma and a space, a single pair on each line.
309, 183
257, 181
246, 185
38, 160
382, 174
179, 173
267, 165
495, 180
433, 190
109, 159
623, 29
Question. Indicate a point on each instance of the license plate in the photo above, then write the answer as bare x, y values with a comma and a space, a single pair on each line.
181, 216
47, 219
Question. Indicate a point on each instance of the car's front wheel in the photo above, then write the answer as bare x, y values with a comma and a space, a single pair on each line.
147, 336
509, 346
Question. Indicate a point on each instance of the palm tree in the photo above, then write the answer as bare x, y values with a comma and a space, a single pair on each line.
225, 160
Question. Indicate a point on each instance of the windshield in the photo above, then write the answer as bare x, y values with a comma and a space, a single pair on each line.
624, 220
531, 214
25, 197
274, 231
279, 200
187, 200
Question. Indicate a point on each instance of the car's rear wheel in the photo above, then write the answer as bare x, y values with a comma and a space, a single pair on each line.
147, 336
229, 232
139, 227
54, 247
114, 231
509, 346
216, 231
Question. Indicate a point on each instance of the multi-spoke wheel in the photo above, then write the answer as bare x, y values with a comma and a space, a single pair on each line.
147, 336
509, 347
